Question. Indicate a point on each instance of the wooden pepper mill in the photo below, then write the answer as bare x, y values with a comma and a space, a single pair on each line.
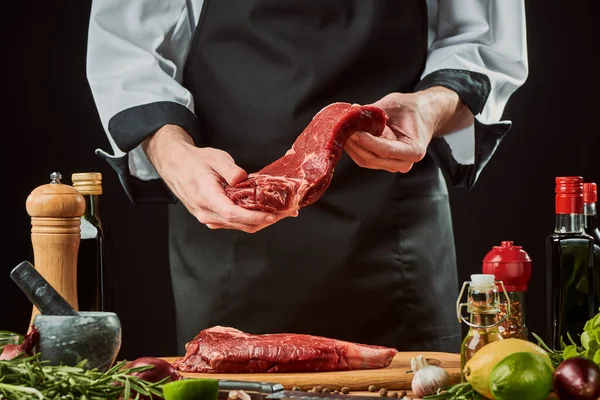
55, 210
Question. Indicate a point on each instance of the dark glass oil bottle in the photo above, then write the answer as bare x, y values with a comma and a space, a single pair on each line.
90, 265
590, 198
569, 257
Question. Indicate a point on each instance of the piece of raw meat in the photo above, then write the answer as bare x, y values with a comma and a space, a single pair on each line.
229, 350
300, 177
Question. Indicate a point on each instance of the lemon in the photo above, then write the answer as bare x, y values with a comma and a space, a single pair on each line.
478, 369
523, 376
191, 389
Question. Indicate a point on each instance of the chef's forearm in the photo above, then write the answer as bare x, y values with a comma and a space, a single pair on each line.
164, 140
445, 108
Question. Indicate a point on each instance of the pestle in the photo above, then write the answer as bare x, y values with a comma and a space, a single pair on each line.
41, 294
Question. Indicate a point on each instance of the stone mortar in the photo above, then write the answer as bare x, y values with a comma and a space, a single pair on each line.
67, 340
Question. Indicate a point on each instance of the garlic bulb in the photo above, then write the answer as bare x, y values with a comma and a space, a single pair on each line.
238, 395
428, 379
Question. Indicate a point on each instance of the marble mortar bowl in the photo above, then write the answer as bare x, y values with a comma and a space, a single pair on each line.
67, 340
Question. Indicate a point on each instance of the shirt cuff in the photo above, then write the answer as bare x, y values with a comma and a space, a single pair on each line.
462, 155
450, 154
129, 129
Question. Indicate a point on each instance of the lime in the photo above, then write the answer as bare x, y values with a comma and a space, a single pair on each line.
191, 389
478, 369
523, 376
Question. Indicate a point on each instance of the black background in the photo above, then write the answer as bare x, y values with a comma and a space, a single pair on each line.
51, 125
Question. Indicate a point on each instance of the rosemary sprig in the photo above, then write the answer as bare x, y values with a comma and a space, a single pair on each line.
459, 391
556, 356
26, 378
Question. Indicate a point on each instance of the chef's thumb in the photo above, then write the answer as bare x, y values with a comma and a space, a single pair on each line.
229, 171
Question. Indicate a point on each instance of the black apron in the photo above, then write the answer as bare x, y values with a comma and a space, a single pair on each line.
373, 260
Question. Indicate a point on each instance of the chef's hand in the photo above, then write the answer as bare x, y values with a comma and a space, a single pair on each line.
414, 119
197, 177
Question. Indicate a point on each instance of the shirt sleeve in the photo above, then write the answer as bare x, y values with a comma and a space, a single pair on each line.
477, 48
135, 56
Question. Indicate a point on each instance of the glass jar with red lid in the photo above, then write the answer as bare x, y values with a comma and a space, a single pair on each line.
511, 265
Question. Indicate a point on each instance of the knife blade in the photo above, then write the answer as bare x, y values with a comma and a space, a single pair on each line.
275, 391
290, 394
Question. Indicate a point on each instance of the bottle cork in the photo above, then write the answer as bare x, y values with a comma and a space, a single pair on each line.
87, 182
55, 210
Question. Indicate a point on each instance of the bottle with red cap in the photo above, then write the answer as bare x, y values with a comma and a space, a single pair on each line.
590, 198
570, 266
511, 265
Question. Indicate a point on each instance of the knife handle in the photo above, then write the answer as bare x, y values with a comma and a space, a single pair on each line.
260, 387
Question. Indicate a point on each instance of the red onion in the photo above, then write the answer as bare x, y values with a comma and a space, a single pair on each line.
27, 347
577, 378
162, 369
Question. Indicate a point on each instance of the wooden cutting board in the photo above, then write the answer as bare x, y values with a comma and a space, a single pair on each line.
394, 377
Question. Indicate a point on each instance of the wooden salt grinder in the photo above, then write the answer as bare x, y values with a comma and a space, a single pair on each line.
55, 210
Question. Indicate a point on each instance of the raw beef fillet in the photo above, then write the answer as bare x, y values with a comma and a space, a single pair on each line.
222, 349
300, 177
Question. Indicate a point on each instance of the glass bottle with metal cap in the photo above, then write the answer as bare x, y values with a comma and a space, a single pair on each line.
592, 228
91, 268
483, 305
570, 264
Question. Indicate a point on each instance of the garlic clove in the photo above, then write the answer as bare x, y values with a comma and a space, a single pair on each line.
427, 379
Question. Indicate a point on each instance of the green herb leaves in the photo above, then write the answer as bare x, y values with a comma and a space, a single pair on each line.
459, 391
26, 378
590, 342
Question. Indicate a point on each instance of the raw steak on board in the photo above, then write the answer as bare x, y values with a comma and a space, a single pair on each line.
228, 350
302, 175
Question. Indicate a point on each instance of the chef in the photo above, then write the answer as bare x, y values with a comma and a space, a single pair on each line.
195, 93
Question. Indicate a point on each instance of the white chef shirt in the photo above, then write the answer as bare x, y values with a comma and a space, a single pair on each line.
137, 50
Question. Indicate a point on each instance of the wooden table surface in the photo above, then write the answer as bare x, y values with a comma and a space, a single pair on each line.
394, 378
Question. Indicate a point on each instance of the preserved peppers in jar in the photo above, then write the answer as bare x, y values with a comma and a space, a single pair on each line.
511, 265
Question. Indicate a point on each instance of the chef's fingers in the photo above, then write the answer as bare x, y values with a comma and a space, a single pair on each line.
388, 134
247, 228
367, 159
398, 148
243, 228
203, 215
217, 201
222, 163
215, 221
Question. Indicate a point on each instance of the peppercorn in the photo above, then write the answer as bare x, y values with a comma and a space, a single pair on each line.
296, 388
345, 390
326, 390
336, 391
383, 392
319, 388
394, 394
403, 394
372, 388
